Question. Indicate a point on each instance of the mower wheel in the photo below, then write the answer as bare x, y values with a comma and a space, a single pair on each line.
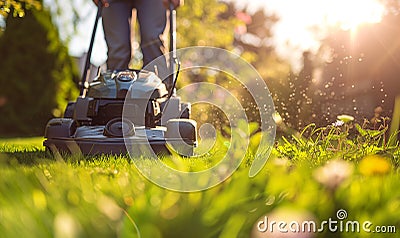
181, 135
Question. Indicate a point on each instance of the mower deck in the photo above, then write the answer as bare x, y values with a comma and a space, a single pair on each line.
95, 143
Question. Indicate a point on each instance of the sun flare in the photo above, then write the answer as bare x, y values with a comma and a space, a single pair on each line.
302, 24
350, 14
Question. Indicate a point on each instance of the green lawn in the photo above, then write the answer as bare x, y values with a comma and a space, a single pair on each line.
30, 142
306, 178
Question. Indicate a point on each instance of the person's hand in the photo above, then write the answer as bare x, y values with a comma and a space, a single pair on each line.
104, 2
176, 3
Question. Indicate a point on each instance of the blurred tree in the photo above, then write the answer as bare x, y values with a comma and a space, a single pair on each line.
295, 105
246, 33
36, 74
362, 71
252, 41
17, 7
200, 24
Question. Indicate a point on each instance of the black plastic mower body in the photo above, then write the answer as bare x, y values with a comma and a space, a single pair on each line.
119, 110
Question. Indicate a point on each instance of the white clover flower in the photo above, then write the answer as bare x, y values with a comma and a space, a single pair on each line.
65, 225
333, 173
338, 123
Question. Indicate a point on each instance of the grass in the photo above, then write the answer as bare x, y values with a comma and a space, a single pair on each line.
312, 175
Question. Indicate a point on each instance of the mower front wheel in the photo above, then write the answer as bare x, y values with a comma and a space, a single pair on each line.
181, 136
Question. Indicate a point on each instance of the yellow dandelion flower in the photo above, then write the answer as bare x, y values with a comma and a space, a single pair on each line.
374, 165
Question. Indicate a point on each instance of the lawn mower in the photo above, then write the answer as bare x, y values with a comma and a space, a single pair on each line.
121, 110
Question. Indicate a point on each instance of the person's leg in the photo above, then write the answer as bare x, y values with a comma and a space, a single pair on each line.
117, 28
152, 20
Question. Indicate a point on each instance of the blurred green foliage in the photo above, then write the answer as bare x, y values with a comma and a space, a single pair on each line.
18, 7
106, 196
36, 73
199, 23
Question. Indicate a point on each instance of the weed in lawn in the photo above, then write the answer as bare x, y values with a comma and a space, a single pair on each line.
314, 146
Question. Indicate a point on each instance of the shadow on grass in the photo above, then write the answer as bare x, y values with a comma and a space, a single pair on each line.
23, 151
28, 158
